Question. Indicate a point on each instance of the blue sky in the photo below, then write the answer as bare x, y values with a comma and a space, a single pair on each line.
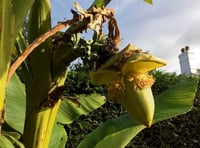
162, 28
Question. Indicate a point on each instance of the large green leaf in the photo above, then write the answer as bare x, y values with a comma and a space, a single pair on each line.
5, 142
118, 132
59, 137
176, 100
14, 138
69, 111
113, 133
15, 104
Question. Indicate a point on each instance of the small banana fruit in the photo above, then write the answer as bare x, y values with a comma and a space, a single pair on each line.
126, 76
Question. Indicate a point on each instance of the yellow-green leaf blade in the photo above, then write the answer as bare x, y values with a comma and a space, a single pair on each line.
15, 94
70, 111
149, 1
5, 143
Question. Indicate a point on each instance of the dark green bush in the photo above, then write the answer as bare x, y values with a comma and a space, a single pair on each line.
78, 81
163, 81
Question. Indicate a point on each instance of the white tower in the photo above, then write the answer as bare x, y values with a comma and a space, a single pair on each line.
187, 62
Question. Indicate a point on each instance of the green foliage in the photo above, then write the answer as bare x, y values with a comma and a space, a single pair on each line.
69, 110
58, 137
78, 81
15, 114
37, 71
163, 81
31, 111
38, 82
11, 18
13, 138
5, 143
84, 125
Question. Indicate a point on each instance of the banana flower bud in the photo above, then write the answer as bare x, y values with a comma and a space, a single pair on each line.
126, 75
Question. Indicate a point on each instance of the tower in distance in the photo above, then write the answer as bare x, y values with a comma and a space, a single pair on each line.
188, 62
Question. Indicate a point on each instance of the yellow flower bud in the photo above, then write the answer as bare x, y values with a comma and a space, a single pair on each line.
139, 103
126, 76
134, 92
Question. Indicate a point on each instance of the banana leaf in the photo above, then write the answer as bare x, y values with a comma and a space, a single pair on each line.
15, 104
5, 142
68, 111
118, 132
59, 137
11, 136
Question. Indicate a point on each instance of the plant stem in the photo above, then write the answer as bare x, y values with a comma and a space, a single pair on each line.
43, 121
51, 122
35, 44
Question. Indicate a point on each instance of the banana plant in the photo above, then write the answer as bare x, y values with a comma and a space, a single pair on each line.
40, 80
39, 107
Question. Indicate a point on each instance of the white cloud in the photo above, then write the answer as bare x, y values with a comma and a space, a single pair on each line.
163, 28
